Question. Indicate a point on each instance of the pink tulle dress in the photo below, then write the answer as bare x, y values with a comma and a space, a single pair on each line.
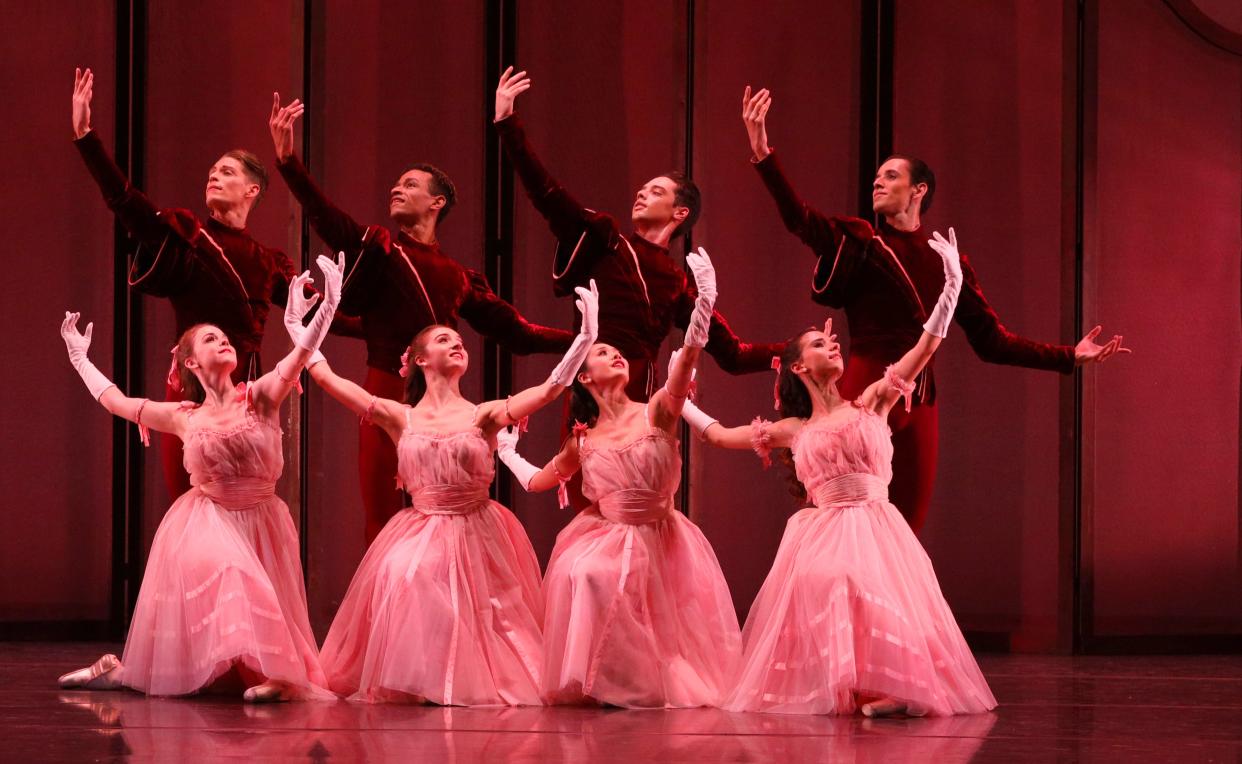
223, 584
445, 606
852, 604
637, 612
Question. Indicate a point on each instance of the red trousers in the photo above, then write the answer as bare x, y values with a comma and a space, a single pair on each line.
377, 458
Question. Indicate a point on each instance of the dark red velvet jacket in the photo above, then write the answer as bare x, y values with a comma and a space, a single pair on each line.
399, 287
211, 273
643, 294
886, 281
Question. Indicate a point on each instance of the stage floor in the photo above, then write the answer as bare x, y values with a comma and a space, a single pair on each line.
1052, 709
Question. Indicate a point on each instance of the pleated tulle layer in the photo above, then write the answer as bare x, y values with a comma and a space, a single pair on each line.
637, 616
444, 608
852, 606
222, 588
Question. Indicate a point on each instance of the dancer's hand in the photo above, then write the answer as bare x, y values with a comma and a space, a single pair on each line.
333, 276
754, 115
507, 439
704, 274
510, 87
1088, 351
588, 305
298, 305
949, 255
75, 342
281, 125
83, 90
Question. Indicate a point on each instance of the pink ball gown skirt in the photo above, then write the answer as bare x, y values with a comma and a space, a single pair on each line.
223, 584
445, 606
851, 605
638, 613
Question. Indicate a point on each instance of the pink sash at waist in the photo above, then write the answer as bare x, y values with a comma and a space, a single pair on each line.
852, 490
635, 506
238, 493
449, 499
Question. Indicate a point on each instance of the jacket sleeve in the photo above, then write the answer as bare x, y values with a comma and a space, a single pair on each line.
497, 319
994, 343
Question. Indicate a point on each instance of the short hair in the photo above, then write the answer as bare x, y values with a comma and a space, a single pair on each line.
919, 173
441, 185
685, 195
253, 167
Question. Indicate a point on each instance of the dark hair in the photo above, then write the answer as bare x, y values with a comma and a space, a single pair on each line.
415, 380
191, 388
253, 167
686, 195
795, 401
919, 173
440, 185
582, 407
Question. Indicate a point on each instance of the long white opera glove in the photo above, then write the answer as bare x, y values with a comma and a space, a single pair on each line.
705, 280
333, 275
942, 315
78, 344
698, 419
506, 449
588, 305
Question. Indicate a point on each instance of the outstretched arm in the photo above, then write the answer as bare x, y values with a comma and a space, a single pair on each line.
994, 343
494, 415
160, 416
493, 317
553, 474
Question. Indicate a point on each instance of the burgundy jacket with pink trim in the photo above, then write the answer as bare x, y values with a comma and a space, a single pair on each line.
887, 280
211, 273
643, 294
398, 287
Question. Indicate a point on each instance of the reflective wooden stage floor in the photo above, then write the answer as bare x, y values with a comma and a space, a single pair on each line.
1052, 709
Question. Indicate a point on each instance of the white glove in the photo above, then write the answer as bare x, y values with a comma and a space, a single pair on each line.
705, 279
506, 449
588, 305
942, 315
78, 344
698, 420
297, 305
314, 332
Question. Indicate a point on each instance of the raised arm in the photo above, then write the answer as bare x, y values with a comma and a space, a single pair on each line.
898, 381
812, 227
160, 416
494, 415
732, 353
334, 225
135, 211
668, 400
565, 215
270, 390
499, 320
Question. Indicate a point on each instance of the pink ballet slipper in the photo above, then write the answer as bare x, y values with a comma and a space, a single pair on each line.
97, 676
268, 692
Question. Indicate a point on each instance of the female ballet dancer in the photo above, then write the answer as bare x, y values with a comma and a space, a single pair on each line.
851, 612
636, 611
222, 593
445, 606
